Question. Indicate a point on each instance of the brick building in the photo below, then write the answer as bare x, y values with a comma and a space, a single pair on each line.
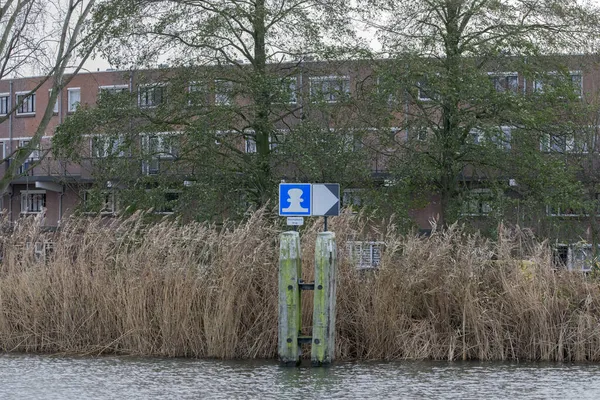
56, 187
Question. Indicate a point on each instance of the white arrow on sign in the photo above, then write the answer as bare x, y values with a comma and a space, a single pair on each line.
325, 199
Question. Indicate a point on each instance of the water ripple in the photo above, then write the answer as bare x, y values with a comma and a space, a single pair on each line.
45, 377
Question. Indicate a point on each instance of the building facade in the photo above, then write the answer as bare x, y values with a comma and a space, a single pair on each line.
54, 188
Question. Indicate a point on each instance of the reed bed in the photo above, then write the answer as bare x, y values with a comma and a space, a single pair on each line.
123, 286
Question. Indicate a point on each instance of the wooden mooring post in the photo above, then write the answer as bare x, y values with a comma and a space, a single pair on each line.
323, 336
290, 287
290, 305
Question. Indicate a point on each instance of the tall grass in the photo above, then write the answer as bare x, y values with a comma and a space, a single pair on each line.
123, 286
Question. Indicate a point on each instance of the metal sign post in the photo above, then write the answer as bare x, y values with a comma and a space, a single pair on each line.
296, 201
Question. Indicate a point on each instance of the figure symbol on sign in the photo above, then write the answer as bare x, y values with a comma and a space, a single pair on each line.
295, 198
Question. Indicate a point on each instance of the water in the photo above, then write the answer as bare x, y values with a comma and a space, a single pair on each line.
47, 377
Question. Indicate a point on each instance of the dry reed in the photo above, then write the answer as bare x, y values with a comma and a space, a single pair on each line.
195, 290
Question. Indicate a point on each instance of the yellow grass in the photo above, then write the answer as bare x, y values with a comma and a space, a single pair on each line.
195, 290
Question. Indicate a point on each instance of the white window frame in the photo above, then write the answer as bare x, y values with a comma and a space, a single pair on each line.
152, 165
548, 145
250, 145
113, 89
420, 92
110, 206
505, 75
343, 88
111, 146
538, 84
31, 102
55, 108
4, 98
289, 85
72, 105
147, 88
484, 207
196, 87
223, 98
25, 201
35, 154
506, 137
179, 192
552, 211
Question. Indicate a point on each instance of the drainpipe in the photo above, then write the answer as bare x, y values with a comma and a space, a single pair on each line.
10, 145
60, 204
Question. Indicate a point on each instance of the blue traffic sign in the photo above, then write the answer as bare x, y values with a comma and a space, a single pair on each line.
295, 199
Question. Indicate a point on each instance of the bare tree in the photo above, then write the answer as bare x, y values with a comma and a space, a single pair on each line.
52, 38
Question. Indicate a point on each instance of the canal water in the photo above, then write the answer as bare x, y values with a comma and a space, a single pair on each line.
48, 377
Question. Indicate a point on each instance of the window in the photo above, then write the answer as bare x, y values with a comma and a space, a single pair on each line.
55, 109
289, 90
151, 95
158, 147
477, 203
33, 201
4, 103
574, 257
387, 90
250, 145
102, 202
574, 210
35, 154
168, 202
500, 137
162, 145
223, 93
197, 94
564, 211
28, 105
424, 90
365, 255
577, 83
352, 198
573, 77
418, 133
104, 146
3, 151
567, 143
73, 98
329, 89
112, 90
505, 82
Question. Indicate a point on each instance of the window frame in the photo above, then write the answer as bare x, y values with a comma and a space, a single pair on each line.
108, 142
112, 210
4, 103
72, 106
165, 194
504, 75
336, 96
478, 195
221, 98
55, 109
27, 94
538, 84
113, 89
24, 195
35, 154
151, 87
